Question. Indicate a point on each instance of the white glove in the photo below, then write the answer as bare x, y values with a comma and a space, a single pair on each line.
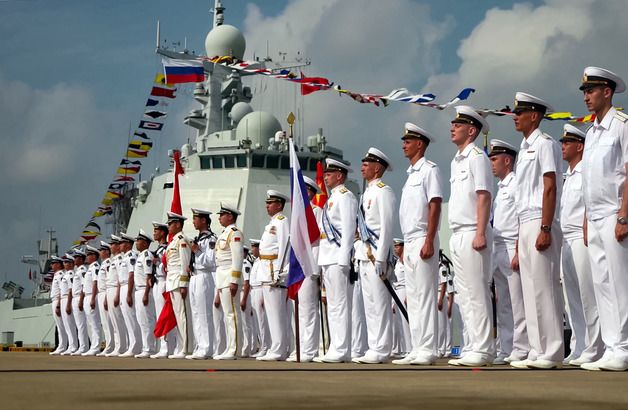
380, 269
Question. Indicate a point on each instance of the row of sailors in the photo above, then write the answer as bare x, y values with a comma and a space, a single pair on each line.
525, 250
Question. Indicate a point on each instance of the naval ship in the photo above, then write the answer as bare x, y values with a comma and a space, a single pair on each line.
237, 155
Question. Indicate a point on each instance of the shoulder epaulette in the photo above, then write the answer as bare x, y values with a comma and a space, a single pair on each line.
546, 136
234, 229
477, 151
621, 116
343, 190
281, 217
179, 235
430, 163
381, 184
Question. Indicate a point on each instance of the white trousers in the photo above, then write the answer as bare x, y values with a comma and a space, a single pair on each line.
402, 345
130, 321
201, 292
580, 298
81, 325
146, 320
512, 334
359, 336
609, 261
339, 301
542, 294
166, 343
458, 327
70, 326
232, 321
94, 328
105, 321
120, 336
309, 319
63, 336
444, 329
472, 279
378, 312
421, 285
278, 316
181, 308
249, 335
259, 313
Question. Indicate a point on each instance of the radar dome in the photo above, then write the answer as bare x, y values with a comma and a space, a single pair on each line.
225, 40
258, 126
239, 110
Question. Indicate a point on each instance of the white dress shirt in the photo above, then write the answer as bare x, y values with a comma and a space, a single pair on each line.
505, 219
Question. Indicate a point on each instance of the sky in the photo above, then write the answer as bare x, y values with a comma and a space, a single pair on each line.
75, 75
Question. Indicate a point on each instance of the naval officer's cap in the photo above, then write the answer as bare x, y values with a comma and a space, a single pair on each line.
276, 196
254, 242
115, 239
104, 246
126, 237
411, 130
175, 217
159, 225
67, 258
200, 212
573, 134
91, 250
310, 183
227, 208
466, 114
55, 259
78, 253
528, 102
335, 165
502, 147
596, 77
375, 155
398, 241
143, 236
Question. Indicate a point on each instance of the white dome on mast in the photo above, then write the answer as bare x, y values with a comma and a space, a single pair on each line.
225, 40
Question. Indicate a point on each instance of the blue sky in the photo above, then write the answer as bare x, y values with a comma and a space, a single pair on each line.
75, 76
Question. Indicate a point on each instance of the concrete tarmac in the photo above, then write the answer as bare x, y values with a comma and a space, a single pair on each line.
37, 380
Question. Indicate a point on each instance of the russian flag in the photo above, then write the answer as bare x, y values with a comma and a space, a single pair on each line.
183, 71
303, 229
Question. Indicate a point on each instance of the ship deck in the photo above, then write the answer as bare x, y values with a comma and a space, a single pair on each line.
37, 380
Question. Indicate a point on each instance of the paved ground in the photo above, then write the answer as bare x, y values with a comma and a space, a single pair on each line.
37, 380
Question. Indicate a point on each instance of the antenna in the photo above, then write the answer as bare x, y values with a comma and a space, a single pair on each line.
158, 35
218, 12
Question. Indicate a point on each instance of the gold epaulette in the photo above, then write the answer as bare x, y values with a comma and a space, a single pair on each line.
621, 116
281, 217
381, 184
343, 190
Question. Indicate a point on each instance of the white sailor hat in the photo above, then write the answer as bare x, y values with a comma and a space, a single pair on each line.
528, 102
596, 76
159, 225
466, 114
92, 250
501, 147
335, 165
571, 133
56, 259
311, 183
104, 246
125, 237
254, 242
275, 196
375, 155
143, 235
246, 248
398, 241
414, 131
78, 252
115, 239
200, 212
174, 217
227, 208
67, 258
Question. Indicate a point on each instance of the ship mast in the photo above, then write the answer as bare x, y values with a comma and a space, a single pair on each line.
218, 12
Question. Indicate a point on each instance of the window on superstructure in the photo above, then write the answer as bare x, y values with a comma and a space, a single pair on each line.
272, 161
229, 161
258, 161
241, 161
205, 163
217, 162
313, 162
285, 162
303, 163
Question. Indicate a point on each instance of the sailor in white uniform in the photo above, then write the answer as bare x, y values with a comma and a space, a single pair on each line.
65, 287
539, 186
419, 217
120, 337
126, 268
178, 255
158, 280
512, 334
375, 227
202, 286
229, 257
604, 169
273, 273
90, 303
248, 328
77, 302
144, 302
257, 302
334, 257
105, 318
471, 242
56, 264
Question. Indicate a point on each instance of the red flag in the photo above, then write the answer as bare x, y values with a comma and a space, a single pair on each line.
163, 92
176, 197
312, 84
320, 199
